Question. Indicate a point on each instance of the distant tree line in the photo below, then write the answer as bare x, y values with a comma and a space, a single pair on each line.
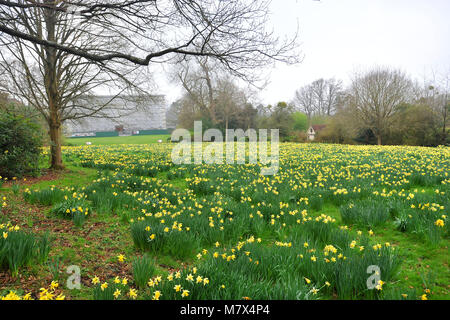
384, 106
380, 106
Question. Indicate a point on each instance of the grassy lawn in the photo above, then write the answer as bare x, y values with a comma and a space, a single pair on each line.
117, 140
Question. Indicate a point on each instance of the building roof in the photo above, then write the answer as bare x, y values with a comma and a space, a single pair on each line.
318, 127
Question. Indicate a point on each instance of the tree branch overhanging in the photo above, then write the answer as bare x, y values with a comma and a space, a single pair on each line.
234, 32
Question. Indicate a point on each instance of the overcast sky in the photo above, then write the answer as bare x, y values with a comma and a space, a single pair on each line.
340, 36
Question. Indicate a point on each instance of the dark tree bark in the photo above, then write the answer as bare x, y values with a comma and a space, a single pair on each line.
51, 85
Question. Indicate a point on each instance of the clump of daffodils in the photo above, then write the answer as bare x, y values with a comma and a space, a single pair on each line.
50, 293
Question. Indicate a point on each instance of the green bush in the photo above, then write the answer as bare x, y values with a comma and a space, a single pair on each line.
20, 146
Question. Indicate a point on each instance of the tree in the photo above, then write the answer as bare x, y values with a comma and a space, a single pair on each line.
333, 92
414, 124
188, 112
318, 98
304, 101
230, 101
437, 95
199, 82
339, 129
211, 93
300, 121
374, 97
173, 114
247, 118
54, 82
280, 117
318, 94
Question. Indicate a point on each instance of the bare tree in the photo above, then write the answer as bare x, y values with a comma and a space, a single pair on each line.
304, 101
248, 117
318, 98
234, 32
173, 114
318, 89
54, 82
333, 92
211, 91
437, 95
374, 97
230, 101
199, 81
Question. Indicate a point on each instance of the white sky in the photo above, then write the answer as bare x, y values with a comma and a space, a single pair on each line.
340, 36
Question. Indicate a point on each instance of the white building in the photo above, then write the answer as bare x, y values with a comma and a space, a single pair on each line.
313, 130
123, 115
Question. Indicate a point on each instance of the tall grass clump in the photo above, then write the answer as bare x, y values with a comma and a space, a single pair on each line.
316, 202
157, 237
45, 197
366, 213
76, 209
143, 269
432, 226
19, 249
15, 188
110, 290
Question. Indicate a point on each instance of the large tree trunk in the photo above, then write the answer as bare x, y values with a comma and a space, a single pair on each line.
51, 86
444, 127
56, 162
444, 135
379, 139
226, 130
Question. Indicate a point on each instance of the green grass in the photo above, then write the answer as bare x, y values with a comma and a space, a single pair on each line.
117, 140
73, 176
424, 265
